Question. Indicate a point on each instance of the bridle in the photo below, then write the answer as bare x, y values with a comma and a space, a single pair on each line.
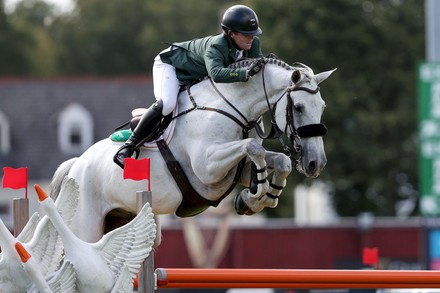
305, 131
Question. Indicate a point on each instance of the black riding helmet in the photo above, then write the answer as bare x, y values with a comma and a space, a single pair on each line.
242, 19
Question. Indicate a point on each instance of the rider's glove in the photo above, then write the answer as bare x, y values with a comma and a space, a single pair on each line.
255, 67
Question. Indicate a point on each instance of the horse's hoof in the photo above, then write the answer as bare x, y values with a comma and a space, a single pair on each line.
241, 208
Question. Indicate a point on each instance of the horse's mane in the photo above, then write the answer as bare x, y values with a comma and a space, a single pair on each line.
246, 62
306, 71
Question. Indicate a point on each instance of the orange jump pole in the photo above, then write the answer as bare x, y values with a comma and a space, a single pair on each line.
285, 278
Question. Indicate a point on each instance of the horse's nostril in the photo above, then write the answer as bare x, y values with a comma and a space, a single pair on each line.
312, 166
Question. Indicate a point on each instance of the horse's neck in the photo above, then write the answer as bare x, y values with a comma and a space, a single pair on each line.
247, 97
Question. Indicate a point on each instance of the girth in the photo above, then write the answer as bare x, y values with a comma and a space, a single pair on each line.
192, 202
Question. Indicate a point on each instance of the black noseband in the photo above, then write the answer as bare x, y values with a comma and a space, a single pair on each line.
312, 130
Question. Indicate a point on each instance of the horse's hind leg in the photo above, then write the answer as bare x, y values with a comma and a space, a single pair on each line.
246, 203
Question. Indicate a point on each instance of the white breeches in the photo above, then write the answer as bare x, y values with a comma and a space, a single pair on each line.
166, 85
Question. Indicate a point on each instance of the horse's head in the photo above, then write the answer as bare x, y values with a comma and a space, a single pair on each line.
298, 108
299, 113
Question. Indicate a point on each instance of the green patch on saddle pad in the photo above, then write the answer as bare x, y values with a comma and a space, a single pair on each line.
121, 135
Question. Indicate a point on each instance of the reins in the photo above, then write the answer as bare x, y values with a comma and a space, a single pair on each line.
246, 127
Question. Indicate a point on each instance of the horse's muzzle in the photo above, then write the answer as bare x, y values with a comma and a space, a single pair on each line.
313, 161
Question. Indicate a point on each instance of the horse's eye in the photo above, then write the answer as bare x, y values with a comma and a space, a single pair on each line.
298, 108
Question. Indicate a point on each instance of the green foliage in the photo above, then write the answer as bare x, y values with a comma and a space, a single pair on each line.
27, 47
12, 47
372, 141
108, 37
371, 114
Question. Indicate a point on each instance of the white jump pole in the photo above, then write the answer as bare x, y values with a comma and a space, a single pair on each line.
294, 278
146, 277
20, 214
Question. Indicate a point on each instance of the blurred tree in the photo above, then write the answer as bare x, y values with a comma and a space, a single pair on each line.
123, 37
372, 140
33, 18
26, 47
13, 44
101, 37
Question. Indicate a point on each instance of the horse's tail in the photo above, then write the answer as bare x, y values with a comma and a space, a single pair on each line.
58, 176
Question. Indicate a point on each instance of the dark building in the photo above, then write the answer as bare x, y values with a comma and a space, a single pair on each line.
44, 122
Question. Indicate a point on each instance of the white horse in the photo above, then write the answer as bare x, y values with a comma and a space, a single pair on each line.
214, 132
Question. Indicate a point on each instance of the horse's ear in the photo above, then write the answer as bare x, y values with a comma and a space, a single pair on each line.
296, 75
320, 77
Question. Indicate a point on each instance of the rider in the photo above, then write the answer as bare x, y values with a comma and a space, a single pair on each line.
190, 61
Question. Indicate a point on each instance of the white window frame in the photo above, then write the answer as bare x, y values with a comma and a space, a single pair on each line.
75, 120
5, 134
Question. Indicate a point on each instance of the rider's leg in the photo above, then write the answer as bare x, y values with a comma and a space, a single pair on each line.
166, 85
166, 89
149, 120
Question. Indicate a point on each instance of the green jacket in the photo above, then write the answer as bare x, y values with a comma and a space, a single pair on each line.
209, 56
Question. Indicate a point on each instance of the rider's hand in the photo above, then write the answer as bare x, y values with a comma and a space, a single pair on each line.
255, 67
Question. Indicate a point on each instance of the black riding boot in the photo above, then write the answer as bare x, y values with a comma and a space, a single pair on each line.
150, 119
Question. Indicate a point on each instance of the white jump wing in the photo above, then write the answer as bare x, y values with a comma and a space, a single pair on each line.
127, 247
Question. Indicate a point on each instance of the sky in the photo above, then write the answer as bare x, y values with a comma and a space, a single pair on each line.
63, 5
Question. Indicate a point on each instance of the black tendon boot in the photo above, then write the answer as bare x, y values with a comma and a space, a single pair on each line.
150, 119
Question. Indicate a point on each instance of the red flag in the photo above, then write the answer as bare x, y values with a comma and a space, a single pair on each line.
15, 178
370, 256
137, 169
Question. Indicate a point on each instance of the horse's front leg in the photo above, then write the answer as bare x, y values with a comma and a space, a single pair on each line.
220, 159
281, 165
